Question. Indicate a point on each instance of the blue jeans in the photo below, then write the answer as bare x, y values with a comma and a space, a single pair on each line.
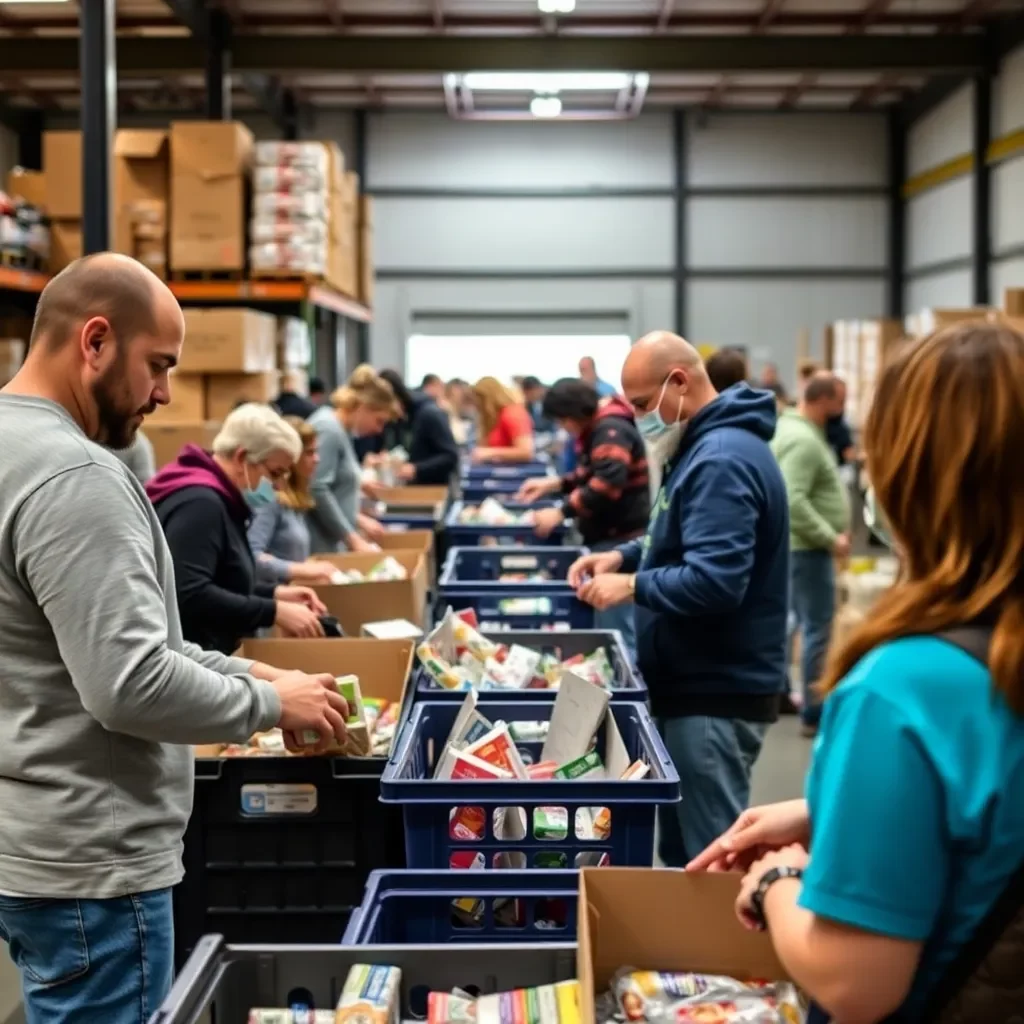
86, 961
812, 594
714, 758
622, 617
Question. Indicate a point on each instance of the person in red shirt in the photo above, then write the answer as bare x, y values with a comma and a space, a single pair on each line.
505, 427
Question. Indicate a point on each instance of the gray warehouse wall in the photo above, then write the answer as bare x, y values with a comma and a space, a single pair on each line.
1007, 267
784, 225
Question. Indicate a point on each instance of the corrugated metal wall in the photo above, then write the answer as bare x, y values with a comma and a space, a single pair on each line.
1007, 267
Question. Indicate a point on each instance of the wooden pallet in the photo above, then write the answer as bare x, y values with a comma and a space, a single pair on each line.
207, 275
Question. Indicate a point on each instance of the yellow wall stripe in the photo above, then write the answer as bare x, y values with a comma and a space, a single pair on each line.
1003, 148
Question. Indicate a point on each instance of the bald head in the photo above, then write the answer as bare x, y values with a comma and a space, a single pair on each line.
657, 354
130, 297
665, 372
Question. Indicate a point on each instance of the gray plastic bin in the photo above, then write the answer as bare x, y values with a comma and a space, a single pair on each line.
222, 983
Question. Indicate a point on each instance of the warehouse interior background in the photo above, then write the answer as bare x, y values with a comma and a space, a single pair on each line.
744, 172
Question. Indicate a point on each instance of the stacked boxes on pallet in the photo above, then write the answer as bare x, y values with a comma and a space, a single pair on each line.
855, 351
141, 196
62, 171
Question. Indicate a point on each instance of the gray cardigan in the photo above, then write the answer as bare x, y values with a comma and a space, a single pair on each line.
335, 485
278, 537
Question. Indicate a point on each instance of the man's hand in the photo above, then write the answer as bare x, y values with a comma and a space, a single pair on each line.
607, 591
407, 472
301, 595
296, 620
592, 565
310, 703
547, 520
538, 487
841, 546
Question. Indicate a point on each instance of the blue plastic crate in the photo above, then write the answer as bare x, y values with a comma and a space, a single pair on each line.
476, 491
501, 611
414, 907
468, 536
627, 685
508, 471
429, 806
476, 569
408, 521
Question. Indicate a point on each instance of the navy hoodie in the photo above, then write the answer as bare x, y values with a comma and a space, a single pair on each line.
713, 568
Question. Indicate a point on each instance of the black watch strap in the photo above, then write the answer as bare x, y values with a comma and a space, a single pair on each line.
768, 879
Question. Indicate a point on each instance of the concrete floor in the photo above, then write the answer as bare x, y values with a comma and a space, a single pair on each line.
781, 768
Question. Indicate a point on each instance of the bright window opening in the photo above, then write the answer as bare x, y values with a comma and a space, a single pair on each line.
547, 357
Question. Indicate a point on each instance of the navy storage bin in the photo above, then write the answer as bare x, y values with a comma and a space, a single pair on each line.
496, 610
465, 535
475, 569
476, 491
413, 907
627, 685
508, 471
431, 807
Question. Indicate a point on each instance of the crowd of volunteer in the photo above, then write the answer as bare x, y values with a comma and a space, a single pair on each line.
714, 510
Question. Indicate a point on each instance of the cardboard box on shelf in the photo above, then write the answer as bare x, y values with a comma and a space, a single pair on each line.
62, 169
27, 185
383, 666
141, 193
65, 243
169, 438
228, 340
622, 923
367, 269
210, 163
12, 355
1013, 303
355, 604
224, 391
188, 400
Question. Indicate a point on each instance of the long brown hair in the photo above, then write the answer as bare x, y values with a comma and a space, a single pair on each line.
945, 444
295, 493
491, 396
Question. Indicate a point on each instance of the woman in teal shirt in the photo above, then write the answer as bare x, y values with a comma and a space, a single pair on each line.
913, 824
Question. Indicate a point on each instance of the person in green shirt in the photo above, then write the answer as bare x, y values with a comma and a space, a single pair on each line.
819, 521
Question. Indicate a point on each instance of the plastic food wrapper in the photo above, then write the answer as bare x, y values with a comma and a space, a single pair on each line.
525, 606
704, 999
437, 668
371, 995
467, 823
451, 1008
295, 1015
388, 569
550, 823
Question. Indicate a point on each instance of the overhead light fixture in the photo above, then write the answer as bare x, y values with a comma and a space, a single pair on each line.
556, 6
545, 106
548, 83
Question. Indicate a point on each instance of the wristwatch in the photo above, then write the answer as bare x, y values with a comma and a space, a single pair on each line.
632, 584
768, 879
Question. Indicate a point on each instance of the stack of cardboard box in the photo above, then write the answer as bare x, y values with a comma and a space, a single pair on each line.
855, 351
210, 163
62, 173
366, 265
343, 254
141, 193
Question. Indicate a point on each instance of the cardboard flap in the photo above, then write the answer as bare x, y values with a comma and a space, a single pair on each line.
664, 920
140, 144
210, 149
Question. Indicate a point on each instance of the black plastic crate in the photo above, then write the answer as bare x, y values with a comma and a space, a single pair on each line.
279, 849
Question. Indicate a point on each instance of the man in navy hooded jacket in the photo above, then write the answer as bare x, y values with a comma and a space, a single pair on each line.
709, 580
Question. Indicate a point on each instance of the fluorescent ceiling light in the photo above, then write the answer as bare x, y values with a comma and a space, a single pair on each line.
549, 83
556, 6
545, 106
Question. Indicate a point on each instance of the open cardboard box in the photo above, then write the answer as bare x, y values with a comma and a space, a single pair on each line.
383, 666
663, 920
414, 494
411, 540
353, 604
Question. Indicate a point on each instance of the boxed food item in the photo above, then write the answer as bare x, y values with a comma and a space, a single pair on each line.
651, 962
188, 400
62, 170
371, 995
210, 163
228, 340
225, 391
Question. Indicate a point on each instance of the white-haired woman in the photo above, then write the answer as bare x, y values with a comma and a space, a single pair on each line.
204, 501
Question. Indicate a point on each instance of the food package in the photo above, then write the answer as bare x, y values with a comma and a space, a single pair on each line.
465, 767
529, 732
451, 1008
437, 668
388, 569
282, 178
590, 766
548, 1004
655, 996
637, 770
498, 748
371, 995
525, 606
310, 156
468, 824
290, 205
294, 1015
542, 770
301, 232
302, 258
550, 823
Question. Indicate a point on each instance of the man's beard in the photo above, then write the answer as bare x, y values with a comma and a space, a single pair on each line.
116, 416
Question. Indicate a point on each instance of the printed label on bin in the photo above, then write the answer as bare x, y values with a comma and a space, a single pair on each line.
279, 798
519, 562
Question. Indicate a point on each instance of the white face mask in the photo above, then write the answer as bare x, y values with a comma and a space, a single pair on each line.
661, 449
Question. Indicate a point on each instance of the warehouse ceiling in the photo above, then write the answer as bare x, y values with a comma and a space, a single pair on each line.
699, 53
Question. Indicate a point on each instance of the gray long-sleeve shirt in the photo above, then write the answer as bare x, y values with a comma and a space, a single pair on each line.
335, 485
140, 458
99, 694
278, 537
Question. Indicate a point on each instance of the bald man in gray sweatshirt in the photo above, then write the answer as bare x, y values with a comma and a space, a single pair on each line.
100, 698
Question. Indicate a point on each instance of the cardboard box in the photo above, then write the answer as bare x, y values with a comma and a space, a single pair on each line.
225, 391
383, 666
421, 541
413, 496
1013, 304
210, 163
188, 400
228, 340
367, 268
141, 193
65, 243
62, 169
169, 438
27, 185
355, 604
622, 923
12, 355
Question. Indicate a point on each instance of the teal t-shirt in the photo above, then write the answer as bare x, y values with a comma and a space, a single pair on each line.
916, 795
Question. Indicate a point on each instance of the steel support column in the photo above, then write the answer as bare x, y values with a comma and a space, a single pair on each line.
359, 144
98, 62
218, 68
896, 209
680, 157
981, 250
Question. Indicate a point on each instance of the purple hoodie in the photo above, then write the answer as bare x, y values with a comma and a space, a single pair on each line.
195, 468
